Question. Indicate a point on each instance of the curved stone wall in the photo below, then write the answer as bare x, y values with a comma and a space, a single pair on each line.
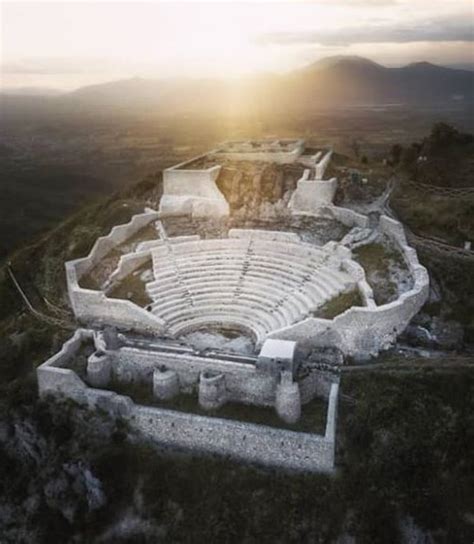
359, 331
94, 307
363, 332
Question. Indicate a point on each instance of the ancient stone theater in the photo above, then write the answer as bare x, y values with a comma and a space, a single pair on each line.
213, 330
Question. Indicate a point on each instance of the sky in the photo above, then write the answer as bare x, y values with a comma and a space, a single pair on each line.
68, 44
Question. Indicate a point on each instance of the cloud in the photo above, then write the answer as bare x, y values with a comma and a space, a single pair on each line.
362, 3
442, 29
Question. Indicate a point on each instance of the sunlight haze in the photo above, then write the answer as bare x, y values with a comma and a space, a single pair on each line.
66, 45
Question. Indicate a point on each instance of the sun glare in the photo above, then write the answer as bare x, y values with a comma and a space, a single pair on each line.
72, 43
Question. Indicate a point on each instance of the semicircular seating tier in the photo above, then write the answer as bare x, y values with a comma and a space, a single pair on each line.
255, 285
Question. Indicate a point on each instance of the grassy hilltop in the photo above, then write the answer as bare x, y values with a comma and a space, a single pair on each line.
405, 436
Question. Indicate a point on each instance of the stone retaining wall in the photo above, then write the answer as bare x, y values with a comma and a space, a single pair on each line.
347, 217
243, 441
277, 156
312, 194
244, 382
194, 192
322, 165
238, 440
53, 376
270, 235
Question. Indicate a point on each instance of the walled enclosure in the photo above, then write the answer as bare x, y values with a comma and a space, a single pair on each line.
359, 331
243, 441
266, 282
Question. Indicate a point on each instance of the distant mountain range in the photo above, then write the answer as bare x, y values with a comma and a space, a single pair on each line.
32, 91
331, 82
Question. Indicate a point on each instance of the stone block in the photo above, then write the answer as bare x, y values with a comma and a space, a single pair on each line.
288, 399
165, 383
99, 369
212, 390
277, 356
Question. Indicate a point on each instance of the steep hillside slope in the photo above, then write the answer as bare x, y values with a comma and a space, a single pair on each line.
71, 476
434, 197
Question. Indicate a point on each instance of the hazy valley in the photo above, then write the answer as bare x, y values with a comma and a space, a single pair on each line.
58, 152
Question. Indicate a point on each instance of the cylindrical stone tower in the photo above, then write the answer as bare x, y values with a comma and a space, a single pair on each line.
288, 399
212, 392
165, 383
99, 369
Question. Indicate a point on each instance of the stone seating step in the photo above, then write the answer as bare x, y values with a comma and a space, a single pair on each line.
299, 302
296, 252
250, 320
335, 278
298, 259
296, 299
285, 246
283, 267
196, 273
219, 320
211, 255
295, 255
263, 303
160, 308
265, 321
189, 264
196, 285
286, 281
208, 246
285, 278
282, 314
294, 306
269, 272
323, 282
258, 284
269, 318
271, 264
158, 290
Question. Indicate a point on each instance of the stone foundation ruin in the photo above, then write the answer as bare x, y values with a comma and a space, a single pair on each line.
298, 300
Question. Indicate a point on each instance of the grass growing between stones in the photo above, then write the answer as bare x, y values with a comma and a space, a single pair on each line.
339, 304
96, 277
377, 260
146, 233
132, 287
